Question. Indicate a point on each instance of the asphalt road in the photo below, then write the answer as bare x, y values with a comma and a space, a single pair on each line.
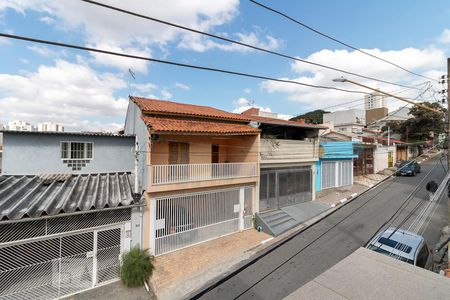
324, 244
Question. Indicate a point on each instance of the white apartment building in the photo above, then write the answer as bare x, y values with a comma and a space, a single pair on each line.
345, 121
20, 126
50, 126
374, 100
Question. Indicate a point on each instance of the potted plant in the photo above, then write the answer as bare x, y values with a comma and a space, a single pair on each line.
136, 267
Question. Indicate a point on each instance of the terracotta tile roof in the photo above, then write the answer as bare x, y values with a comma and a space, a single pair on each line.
285, 122
154, 106
383, 140
176, 125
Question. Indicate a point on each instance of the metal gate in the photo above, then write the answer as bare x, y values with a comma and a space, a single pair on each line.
283, 187
337, 173
50, 268
183, 220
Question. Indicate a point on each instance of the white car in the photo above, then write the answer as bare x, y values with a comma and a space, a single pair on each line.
403, 245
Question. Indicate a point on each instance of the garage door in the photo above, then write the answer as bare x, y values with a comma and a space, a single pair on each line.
184, 220
337, 173
51, 268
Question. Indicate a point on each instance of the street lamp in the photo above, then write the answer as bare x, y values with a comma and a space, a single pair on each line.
342, 79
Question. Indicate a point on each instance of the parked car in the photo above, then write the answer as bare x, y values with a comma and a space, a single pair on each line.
403, 245
408, 168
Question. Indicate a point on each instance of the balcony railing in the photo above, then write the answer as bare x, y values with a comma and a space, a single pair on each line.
164, 174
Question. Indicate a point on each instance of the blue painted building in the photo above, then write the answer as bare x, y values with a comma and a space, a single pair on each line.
335, 165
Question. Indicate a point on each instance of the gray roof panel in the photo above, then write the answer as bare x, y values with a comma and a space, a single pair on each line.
35, 196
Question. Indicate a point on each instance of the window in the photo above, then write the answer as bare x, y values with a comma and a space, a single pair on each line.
422, 257
76, 150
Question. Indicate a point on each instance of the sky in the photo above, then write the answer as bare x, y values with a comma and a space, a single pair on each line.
89, 91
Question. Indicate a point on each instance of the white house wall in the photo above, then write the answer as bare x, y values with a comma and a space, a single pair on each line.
381, 157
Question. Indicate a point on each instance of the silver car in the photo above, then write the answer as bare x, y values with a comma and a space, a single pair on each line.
403, 245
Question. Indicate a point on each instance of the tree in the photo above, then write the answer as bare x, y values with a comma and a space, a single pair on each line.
313, 117
423, 124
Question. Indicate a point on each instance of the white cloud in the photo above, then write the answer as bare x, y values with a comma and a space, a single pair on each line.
444, 38
42, 50
428, 61
182, 86
144, 87
103, 27
47, 20
247, 91
122, 63
69, 93
242, 104
201, 44
166, 95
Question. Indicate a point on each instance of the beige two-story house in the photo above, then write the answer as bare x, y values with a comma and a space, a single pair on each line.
198, 168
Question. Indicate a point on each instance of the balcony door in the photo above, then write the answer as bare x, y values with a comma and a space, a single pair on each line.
215, 154
179, 157
178, 153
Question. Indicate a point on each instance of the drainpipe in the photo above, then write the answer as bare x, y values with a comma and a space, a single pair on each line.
136, 166
389, 136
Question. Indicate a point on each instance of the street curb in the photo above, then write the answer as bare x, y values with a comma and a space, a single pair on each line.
272, 246
352, 196
282, 239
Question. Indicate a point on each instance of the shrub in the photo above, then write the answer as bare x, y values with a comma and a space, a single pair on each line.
136, 267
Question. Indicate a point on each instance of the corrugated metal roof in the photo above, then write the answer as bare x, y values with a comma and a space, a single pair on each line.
35, 196
82, 133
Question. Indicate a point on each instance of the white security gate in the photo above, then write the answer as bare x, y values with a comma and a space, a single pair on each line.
183, 220
51, 267
337, 173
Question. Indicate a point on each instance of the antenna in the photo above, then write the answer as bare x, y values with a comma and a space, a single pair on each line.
134, 78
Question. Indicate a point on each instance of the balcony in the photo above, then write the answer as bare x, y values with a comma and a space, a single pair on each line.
180, 173
289, 151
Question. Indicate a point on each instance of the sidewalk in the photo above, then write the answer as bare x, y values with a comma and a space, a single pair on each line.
366, 274
182, 272
333, 196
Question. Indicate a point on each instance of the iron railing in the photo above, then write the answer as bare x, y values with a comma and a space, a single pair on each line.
184, 220
55, 257
178, 173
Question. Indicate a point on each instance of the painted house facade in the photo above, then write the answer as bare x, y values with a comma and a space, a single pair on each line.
335, 166
68, 210
288, 156
198, 169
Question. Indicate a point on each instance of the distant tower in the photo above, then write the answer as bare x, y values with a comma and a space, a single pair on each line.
375, 106
374, 100
50, 126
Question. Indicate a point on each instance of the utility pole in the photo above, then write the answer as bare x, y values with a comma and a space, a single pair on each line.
448, 114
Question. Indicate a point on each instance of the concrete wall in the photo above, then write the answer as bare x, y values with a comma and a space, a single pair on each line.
231, 149
375, 114
381, 157
135, 125
350, 116
31, 153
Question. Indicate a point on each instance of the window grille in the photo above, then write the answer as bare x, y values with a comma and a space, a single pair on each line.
77, 150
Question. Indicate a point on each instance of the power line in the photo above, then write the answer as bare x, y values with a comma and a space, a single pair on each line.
317, 238
395, 92
235, 42
336, 40
167, 62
